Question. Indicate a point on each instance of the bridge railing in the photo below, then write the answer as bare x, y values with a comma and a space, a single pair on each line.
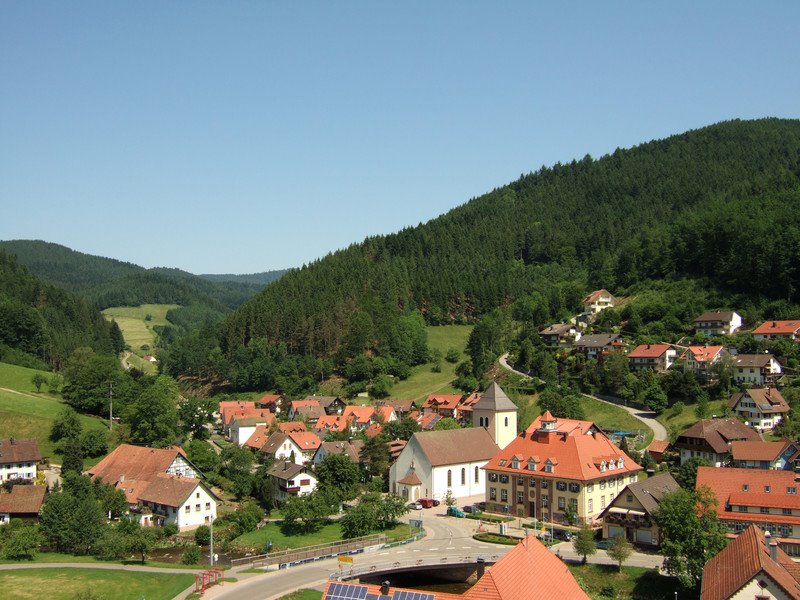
398, 565
315, 552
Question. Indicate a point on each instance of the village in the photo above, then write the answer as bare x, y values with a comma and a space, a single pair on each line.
557, 478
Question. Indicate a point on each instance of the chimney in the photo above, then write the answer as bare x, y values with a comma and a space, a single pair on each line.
773, 551
122, 478
385, 588
481, 564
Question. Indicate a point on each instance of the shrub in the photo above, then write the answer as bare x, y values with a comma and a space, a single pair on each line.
170, 530
191, 556
677, 408
452, 355
202, 535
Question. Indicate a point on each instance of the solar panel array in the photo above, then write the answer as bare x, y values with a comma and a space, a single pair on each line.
346, 591
409, 595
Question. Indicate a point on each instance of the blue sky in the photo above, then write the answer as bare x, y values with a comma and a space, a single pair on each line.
248, 136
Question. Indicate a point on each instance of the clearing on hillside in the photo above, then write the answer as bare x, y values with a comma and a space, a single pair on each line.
138, 329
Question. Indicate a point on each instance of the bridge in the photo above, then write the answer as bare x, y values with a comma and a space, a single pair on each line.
454, 568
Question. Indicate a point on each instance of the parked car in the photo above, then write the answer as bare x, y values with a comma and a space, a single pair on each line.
436, 502
471, 508
426, 502
415, 506
603, 544
454, 511
481, 506
562, 534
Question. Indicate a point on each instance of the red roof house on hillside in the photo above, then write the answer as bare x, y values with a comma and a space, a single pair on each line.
658, 357
772, 330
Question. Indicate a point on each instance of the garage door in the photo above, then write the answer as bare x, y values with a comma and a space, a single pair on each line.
614, 531
644, 536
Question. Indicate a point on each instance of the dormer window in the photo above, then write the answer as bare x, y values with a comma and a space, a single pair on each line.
621, 463
531, 465
745, 488
514, 463
503, 462
548, 467
612, 465
602, 466
767, 489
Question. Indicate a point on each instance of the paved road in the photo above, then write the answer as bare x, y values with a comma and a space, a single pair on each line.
646, 417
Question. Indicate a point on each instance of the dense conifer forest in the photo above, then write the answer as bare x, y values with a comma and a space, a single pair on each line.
41, 325
718, 203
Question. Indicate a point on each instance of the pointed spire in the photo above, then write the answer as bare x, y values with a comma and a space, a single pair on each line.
494, 399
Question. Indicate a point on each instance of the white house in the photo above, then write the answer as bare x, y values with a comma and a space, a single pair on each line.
298, 447
718, 323
760, 369
185, 502
242, 427
434, 462
763, 408
19, 459
598, 300
292, 479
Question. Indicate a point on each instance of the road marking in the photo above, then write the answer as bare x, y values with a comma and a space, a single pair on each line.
383, 554
466, 547
401, 551
483, 546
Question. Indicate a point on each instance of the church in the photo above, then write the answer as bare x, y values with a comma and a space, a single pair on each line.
434, 462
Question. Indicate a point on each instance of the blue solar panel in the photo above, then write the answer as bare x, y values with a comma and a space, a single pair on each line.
408, 595
346, 591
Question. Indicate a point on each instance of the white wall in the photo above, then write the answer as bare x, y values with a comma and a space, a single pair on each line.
459, 490
26, 470
180, 466
195, 518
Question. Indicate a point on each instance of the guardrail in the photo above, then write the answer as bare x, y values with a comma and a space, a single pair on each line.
315, 552
411, 563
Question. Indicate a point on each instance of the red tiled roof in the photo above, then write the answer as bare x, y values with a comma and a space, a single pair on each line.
658, 446
306, 440
777, 328
747, 450
447, 401
744, 559
385, 412
135, 462
649, 350
300, 403
332, 423
373, 430
718, 434
727, 485
169, 490
576, 447
426, 422
595, 296
361, 414
14, 451
227, 408
768, 400
702, 353
255, 416
411, 478
22, 500
258, 438
292, 426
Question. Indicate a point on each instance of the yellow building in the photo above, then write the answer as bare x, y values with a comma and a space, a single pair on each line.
555, 464
631, 512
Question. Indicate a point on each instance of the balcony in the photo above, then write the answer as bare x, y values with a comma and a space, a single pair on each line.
628, 518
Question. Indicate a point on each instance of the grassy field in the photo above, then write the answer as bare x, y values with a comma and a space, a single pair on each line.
330, 532
422, 380
303, 595
678, 423
137, 331
603, 581
68, 583
27, 414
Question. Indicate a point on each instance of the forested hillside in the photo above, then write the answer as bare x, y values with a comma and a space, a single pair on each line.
718, 202
107, 282
259, 279
40, 325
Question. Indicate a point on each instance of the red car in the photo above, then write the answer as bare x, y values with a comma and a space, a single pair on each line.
427, 502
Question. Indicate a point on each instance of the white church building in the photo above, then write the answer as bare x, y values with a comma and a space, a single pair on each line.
434, 462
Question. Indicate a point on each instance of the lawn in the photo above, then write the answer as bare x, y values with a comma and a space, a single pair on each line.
19, 378
31, 415
603, 581
135, 329
329, 532
303, 595
675, 424
68, 583
422, 380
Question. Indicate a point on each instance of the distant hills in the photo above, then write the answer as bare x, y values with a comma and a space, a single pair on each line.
108, 282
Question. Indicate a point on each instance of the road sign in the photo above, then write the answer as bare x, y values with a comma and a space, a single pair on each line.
346, 559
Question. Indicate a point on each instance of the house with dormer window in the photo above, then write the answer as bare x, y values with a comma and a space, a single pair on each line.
557, 463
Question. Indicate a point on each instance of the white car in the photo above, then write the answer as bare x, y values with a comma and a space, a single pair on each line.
415, 506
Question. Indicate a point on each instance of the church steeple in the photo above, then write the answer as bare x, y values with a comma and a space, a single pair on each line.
497, 413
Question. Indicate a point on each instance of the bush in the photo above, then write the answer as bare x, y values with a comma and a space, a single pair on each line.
677, 408
452, 355
202, 535
191, 556
169, 530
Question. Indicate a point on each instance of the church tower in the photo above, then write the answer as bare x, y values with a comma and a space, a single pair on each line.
498, 414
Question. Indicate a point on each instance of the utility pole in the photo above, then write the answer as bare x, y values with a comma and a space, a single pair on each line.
211, 527
111, 406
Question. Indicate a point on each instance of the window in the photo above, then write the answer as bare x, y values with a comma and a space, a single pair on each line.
504, 495
591, 504
791, 490
463, 476
208, 505
506, 421
764, 510
602, 466
573, 502
520, 481
492, 494
589, 487
562, 504
305, 482
514, 463
602, 484
503, 478
188, 509
629, 498
492, 476
602, 502
561, 486
745, 487
449, 478
767, 489
575, 488
545, 501
520, 497
197, 508
545, 485
477, 474
742, 509
787, 511
612, 482
503, 462
548, 467
197, 495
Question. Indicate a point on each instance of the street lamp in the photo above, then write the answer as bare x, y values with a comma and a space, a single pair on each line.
211, 554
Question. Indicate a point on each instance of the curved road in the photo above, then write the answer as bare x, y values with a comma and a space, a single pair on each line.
646, 417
